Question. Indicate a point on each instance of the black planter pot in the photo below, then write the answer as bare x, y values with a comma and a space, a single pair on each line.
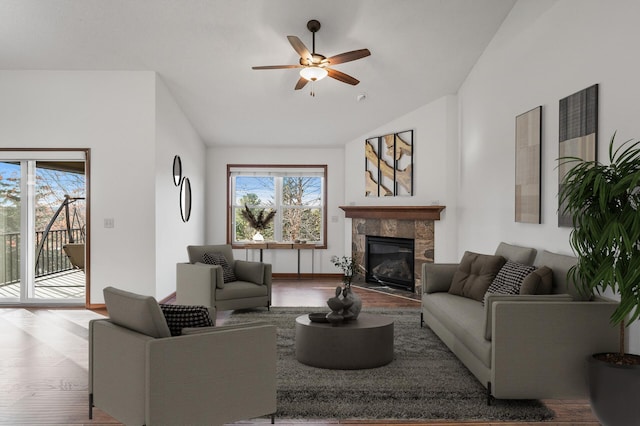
614, 392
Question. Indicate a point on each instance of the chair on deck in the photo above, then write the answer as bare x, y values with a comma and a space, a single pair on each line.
75, 253
142, 375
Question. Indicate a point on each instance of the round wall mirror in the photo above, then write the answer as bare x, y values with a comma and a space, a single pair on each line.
177, 170
185, 199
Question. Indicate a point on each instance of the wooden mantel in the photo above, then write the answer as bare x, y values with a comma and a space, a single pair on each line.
393, 212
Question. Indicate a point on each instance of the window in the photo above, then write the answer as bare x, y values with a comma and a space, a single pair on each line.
297, 194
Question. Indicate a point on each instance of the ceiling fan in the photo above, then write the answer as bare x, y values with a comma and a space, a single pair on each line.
316, 66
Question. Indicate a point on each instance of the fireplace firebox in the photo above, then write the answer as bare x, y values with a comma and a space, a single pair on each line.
390, 261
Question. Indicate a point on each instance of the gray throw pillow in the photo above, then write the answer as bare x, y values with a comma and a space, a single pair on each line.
217, 258
475, 274
510, 277
539, 281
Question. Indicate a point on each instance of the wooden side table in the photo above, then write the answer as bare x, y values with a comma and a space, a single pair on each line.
283, 246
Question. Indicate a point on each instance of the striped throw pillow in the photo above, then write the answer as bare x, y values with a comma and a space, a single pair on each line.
509, 279
183, 316
217, 258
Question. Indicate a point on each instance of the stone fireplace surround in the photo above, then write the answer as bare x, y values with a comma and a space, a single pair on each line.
415, 222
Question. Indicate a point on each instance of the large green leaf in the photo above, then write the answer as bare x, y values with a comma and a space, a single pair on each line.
606, 234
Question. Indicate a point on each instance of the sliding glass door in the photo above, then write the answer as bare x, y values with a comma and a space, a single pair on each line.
43, 217
10, 225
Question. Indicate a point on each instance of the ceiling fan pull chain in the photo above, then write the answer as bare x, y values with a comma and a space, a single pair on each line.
313, 92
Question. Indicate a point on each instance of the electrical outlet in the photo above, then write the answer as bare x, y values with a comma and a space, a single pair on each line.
108, 222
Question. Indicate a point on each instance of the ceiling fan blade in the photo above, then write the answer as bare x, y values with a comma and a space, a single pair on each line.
348, 56
276, 67
301, 83
340, 76
299, 47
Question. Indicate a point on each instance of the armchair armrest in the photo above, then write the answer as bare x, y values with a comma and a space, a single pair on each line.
116, 360
196, 283
491, 298
436, 277
200, 330
249, 271
540, 349
220, 364
253, 272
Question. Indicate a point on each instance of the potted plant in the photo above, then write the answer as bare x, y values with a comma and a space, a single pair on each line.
348, 266
604, 203
259, 221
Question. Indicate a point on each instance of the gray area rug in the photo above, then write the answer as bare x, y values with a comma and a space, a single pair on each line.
424, 381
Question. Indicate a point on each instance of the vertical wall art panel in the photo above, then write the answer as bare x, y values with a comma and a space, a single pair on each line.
388, 165
578, 135
528, 141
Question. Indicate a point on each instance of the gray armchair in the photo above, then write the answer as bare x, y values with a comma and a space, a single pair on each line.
140, 375
200, 283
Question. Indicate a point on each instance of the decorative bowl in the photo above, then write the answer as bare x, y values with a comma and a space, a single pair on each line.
318, 317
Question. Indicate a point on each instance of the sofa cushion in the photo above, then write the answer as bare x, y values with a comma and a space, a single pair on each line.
217, 258
475, 274
184, 316
510, 277
560, 265
240, 290
539, 281
519, 254
135, 312
464, 318
250, 271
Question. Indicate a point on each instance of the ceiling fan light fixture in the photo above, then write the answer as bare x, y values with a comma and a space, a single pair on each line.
313, 73
315, 66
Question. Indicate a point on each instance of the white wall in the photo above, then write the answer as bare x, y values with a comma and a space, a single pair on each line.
113, 114
283, 261
544, 51
176, 136
434, 164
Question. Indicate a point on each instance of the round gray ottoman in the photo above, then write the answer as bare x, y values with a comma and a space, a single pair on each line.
366, 342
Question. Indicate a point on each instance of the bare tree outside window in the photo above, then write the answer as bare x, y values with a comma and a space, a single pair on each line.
301, 201
51, 188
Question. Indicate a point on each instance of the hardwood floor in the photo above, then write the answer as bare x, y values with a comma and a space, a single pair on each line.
43, 363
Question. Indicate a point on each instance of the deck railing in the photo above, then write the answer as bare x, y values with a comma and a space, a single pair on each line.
11, 258
52, 258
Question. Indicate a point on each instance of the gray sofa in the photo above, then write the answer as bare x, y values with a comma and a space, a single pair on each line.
532, 346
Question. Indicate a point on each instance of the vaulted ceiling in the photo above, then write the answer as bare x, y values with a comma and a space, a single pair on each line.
421, 50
